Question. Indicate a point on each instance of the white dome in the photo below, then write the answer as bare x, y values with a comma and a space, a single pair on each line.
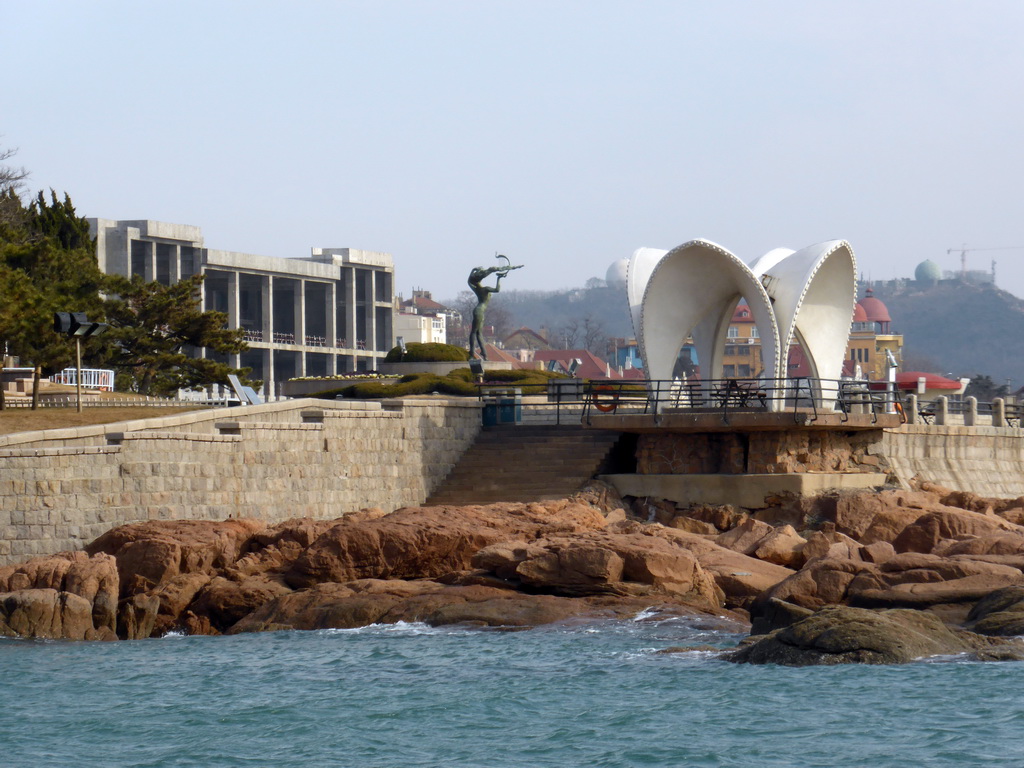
616, 274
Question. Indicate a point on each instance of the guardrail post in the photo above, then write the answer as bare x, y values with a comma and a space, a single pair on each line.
971, 414
911, 410
998, 412
942, 410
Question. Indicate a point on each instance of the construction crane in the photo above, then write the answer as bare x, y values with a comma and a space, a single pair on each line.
964, 250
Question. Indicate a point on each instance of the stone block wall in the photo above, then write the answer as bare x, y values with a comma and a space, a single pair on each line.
985, 460
759, 452
301, 458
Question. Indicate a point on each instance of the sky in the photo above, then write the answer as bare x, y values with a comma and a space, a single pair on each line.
562, 134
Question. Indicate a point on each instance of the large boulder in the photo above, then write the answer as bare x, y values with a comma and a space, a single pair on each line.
745, 537
823, 581
94, 579
844, 635
915, 580
925, 533
224, 601
50, 614
740, 577
868, 517
429, 542
152, 553
601, 562
783, 546
999, 613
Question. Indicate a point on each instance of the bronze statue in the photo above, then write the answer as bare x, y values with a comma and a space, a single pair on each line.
483, 296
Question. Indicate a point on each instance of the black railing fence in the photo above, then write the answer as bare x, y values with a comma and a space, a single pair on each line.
575, 400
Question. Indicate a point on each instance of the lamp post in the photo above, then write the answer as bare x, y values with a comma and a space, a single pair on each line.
78, 326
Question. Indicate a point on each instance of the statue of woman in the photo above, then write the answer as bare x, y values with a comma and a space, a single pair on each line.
483, 296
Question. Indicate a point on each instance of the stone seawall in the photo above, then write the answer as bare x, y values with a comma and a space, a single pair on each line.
60, 489
988, 461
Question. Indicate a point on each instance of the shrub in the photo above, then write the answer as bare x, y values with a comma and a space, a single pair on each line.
427, 353
412, 384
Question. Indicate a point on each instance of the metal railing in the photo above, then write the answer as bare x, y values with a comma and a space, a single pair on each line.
577, 401
92, 378
801, 396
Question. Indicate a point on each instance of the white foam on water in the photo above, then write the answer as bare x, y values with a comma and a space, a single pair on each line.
399, 627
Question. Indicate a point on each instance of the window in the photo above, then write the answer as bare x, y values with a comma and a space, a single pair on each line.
753, 332
734, 332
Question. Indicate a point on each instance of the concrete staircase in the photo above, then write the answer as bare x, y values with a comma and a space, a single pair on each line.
525, 463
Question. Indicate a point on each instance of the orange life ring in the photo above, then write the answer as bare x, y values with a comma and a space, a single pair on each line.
611, 405
900, 412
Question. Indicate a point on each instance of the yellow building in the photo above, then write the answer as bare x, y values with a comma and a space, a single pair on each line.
870, 337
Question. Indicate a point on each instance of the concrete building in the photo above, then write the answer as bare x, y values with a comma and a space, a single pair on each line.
330, 312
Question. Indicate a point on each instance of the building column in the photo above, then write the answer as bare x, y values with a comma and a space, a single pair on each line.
330, 313
371, 324
149, 271
175, 265
300, 325
234, 284
268, 374
267, 308
351, 309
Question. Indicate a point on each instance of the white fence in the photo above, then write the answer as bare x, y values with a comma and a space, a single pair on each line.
92, 378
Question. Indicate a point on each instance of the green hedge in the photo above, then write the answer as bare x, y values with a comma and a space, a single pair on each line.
458, 383
427, 353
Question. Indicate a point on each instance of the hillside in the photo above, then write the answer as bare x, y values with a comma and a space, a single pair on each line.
960, 328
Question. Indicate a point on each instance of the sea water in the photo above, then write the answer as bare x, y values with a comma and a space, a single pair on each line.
596, 694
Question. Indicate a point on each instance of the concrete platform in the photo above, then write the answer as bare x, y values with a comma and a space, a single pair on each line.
693, 420
741, 490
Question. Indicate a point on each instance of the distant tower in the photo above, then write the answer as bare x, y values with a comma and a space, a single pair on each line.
928, 272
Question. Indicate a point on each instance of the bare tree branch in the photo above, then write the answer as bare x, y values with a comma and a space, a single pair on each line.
11, 179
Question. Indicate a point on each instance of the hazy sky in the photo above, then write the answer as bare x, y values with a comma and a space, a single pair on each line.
564, 134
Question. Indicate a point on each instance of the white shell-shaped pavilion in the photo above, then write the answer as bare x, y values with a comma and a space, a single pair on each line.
804, 297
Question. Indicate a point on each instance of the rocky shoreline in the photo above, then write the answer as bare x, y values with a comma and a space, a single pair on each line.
882, 577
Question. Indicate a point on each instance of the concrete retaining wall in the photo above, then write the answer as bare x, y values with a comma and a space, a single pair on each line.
985, 460
60, 489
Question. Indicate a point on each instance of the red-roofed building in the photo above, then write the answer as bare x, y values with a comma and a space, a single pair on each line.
526, 339
591, 366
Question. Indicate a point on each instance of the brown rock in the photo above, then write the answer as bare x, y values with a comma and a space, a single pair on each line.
175, 597
823, 581
915, 580
46, 613
600, 495
947, 523
430, 542
739, 576
372, 601
745, 537
690, 525
600, 562
844, 635
724, 517
868, 517
136, 616
831, 544
999, 613
783, 546
993, 544
877, 552
93, 578
152, 553
771, 614
225, 602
